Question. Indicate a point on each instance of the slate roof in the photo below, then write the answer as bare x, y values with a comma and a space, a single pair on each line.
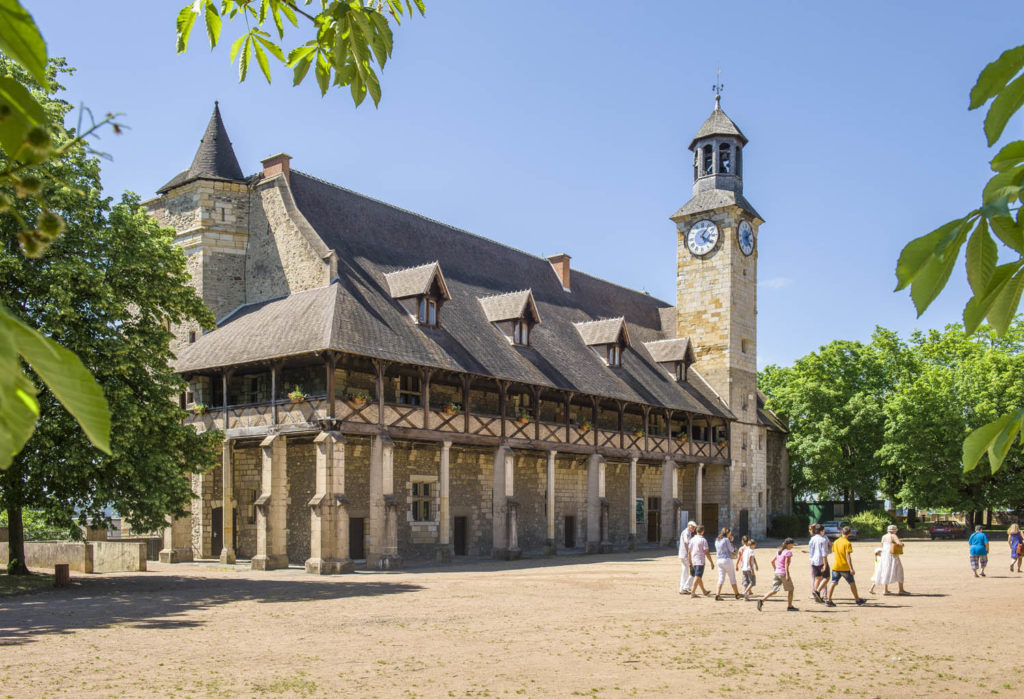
416, 281
673, 350
214, 160
357, 313
602, 332
510, 306
718, 124
713, 199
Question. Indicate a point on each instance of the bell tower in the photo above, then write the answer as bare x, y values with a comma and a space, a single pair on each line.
716, 298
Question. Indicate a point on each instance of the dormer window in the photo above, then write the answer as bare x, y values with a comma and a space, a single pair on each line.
428, 311
607, 338
421, 291
681, 371
674, 355
514, 314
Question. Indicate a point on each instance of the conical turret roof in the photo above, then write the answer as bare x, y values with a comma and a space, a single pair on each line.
718, 124
215, 158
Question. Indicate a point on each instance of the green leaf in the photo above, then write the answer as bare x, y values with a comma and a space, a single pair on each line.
981, 304
1011, 155
995, 76
20, 39
19, 408
323, 73
1004, 305
926, 262
212, 23
996, 438
373, 86
1009, 100
300, 52
236, 45
1008, 231
1005, 184
261, 59
982, 255
243, 59
24, 113
289, 13
273, 48
380, 23
186, 20
65, 376
301, 68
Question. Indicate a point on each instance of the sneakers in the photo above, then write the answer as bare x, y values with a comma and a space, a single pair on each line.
817, 597
792, 609
737, 595
982, 573
760, 603
685, 591
746, 598
830, 603
861, 601
718, 598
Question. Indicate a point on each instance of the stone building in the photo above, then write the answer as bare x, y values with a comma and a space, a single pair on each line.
393, 388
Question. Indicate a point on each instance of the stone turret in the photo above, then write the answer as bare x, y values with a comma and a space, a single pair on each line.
718, 153
208, 206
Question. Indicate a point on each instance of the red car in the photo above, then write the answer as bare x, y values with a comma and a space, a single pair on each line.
947, 530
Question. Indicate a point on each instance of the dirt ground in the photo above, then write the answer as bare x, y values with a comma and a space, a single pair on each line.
576, 626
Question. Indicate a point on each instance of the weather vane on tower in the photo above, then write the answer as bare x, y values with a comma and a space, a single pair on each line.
718, 87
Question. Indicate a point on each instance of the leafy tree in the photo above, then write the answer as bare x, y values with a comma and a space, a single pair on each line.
926, 263
832, 400
349, 37
107, 289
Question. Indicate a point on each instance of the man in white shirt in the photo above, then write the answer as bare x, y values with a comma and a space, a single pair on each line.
686, 575
699, 557
817, 550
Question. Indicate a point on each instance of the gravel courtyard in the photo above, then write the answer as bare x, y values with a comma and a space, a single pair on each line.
606, 625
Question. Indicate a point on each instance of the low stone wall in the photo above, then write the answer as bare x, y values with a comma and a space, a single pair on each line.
83, 557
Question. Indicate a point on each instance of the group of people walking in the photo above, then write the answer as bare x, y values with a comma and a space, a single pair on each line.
695, 556
979, 549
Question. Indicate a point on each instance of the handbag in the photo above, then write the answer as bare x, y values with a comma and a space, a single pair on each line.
1020, 549
897, 549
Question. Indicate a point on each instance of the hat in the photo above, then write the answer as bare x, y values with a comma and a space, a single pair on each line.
893, 527
691, 523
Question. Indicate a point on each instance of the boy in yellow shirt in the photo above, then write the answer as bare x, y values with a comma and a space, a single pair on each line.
843, 567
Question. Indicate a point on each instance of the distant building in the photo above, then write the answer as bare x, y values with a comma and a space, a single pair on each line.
394, 388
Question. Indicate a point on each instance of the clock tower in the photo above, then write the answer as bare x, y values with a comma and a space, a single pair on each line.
716, 307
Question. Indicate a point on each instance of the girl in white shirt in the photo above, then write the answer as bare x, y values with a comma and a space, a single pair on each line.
723, 554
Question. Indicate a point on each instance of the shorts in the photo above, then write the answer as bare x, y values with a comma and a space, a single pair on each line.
698, 572
819, 571
782, 582
844, 574
749, 579
976, 560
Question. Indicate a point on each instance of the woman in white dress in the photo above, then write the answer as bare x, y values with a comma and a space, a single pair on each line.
890, 567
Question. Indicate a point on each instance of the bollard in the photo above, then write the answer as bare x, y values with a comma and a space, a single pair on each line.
61, 575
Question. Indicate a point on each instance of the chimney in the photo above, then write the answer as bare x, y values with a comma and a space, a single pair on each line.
560, 263
277, 165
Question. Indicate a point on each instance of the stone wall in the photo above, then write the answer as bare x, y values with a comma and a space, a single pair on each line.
471, 491
248, 472
301, 486
571, 498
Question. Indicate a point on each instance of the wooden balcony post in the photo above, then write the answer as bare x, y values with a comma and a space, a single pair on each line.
425, 375
647, 423
568, 425
331, 364
381, 367
689, 431
466, 383
502, 399
273, 393
668, 431
225, 377
595, 403
622, 409
535, 397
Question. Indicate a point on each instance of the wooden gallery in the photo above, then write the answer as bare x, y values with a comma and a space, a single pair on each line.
391, 388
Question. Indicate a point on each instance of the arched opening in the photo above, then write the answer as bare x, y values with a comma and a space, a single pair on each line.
739, 162
696, 163
706, 168
724, 159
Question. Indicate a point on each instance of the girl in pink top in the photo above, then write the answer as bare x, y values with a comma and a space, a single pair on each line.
782, 580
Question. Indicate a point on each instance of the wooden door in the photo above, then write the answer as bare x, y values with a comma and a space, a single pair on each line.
709, 518
654, 519
570, 532
355, 538
459, 536
217, 532
744, 524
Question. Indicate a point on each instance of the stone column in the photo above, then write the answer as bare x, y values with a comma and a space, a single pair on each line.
444, 533
272, 506
328, 509
669, 488
595, 491
631, 544
227, 553
383, 552
177, 540
504, 541
550, 548
699, 498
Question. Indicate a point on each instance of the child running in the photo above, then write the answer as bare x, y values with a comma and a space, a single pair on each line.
874, 575
748, 564
782, 580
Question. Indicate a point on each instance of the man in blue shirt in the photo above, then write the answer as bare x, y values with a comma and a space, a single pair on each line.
979, 551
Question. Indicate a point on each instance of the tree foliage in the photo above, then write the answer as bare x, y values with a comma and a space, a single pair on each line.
107, 289
925, 264
891, 416
350, 37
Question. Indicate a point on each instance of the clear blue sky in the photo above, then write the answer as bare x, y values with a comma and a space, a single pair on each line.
563, 126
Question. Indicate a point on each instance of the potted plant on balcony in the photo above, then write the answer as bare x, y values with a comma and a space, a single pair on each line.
450, 408
199, 409
585, 426
296, 395
523, 417
638, 433
722, 442
683, 439
356, 398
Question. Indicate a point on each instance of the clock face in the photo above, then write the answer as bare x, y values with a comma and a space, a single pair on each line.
745, 234
702, 237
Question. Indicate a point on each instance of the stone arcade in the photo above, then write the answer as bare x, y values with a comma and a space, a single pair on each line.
393, 388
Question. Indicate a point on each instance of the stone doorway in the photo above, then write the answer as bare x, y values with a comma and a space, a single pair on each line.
459, 536
653, 520
356, 551
709, 518
570, 532
744, 523
217, 531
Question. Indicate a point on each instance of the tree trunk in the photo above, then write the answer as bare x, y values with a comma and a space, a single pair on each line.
988, 518
911, 517
16, 541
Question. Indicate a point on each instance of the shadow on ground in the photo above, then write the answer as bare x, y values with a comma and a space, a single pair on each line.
158, 601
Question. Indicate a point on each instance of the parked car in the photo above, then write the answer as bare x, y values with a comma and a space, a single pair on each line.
947, 530
834, 530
